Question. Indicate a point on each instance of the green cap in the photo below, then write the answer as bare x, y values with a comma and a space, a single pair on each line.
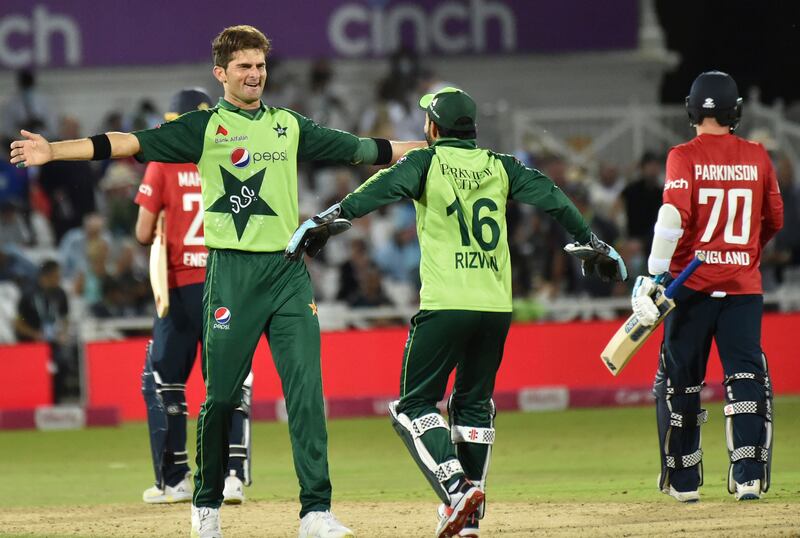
450, 108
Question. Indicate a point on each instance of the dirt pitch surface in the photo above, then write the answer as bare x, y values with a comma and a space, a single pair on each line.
414, 519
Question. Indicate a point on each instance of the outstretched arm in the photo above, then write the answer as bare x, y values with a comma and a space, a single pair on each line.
401, 148
35, 150
402, 180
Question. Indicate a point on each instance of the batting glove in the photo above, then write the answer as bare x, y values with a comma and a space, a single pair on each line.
600, 259
642, 300
312, 235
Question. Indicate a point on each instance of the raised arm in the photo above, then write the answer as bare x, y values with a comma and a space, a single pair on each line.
35, 150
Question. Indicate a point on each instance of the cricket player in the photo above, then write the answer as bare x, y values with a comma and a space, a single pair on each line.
247, 155
460, 193
721, 198
175, 189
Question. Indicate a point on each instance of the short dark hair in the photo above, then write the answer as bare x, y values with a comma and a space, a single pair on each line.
236, 38
452, 133
48, 267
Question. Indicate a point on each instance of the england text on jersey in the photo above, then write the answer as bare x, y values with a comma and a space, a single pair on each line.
726, 172
195, 259
725, 257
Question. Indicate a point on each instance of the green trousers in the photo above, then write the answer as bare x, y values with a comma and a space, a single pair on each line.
247, 294
471, 343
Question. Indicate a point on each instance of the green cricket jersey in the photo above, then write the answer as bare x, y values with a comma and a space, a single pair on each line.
460, 193
248, 167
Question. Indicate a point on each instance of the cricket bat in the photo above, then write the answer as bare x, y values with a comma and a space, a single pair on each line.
158, 268
632, 335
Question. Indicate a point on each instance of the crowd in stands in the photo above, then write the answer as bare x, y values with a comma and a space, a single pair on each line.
81, 214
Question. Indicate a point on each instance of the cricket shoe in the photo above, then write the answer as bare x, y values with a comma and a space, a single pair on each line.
179, 493
205, 522
233, 493
471, 527
463, 503
749, 491
682, 496
323, 525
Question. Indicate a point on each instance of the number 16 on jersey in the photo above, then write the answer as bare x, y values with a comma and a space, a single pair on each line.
632, 335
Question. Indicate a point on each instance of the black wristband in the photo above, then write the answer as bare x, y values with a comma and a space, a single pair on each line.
384, 151
102, 147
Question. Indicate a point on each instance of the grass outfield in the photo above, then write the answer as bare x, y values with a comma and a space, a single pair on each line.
574, 456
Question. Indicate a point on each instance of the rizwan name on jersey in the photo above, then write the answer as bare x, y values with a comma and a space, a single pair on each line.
726, 172
725, 257
475, 260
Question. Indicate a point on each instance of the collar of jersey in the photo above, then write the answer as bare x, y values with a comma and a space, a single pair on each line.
262, 108
456, 143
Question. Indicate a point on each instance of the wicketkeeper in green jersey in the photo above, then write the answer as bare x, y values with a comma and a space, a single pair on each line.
460, 193
247, 155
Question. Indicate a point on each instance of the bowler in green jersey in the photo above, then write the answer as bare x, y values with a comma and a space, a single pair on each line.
247, 155
460, 193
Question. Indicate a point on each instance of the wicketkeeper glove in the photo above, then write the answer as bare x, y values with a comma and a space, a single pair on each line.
599, 259
642, 303
312, 235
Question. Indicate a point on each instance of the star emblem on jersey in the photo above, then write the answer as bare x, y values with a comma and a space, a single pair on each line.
241, 199
280, 130
313, 307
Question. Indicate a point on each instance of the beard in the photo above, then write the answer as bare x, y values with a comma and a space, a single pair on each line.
428, 139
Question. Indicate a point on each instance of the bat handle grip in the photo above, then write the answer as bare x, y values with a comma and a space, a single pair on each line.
672, 289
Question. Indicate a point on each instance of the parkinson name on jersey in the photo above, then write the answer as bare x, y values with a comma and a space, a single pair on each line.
726, 172
725, 257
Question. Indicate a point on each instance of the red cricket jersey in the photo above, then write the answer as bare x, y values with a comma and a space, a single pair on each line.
175, 188
727, 194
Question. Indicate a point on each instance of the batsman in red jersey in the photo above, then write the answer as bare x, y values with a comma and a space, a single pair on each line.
721, 198
175, 189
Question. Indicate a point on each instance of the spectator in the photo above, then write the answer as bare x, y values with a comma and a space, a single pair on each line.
396, 115
132, 278
145, 117
118, 187
27, 109
73, 247
642, 200
15, 267
13, 181
69, 185
604, 193
531, 246
324, 104
399, 257
13, 228
555, 168
349, 272
43, 316
89, 281
114, 302
569, 268
784, 251
370, 290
